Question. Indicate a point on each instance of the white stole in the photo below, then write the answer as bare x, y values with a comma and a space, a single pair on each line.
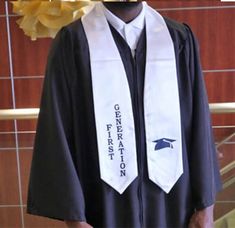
113, 106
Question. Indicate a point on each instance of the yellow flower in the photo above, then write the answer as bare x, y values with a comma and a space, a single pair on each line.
45, 18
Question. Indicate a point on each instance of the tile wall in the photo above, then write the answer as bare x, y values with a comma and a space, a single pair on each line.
22, 64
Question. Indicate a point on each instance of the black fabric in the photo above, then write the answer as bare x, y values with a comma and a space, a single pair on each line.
65, 181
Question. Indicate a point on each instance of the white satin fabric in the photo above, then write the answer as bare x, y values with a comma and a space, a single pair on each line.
113, 106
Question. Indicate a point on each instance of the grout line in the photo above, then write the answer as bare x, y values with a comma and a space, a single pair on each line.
5, 78
34, 132
219, 71
9, 15
2, 206
7, 148
31, 148
42, 76
23, 77
29, 77
196, 8
10, 54
223, 127
19, 132
225, 201
163, 9
24, 205
14, 106
14, 148
229, 143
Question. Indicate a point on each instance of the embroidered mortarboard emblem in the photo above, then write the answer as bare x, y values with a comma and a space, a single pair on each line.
164, 143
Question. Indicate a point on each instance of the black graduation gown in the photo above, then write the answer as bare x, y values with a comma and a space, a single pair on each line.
65, 181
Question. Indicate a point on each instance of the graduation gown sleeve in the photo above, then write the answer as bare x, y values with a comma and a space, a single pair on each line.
204, 172
54, 188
